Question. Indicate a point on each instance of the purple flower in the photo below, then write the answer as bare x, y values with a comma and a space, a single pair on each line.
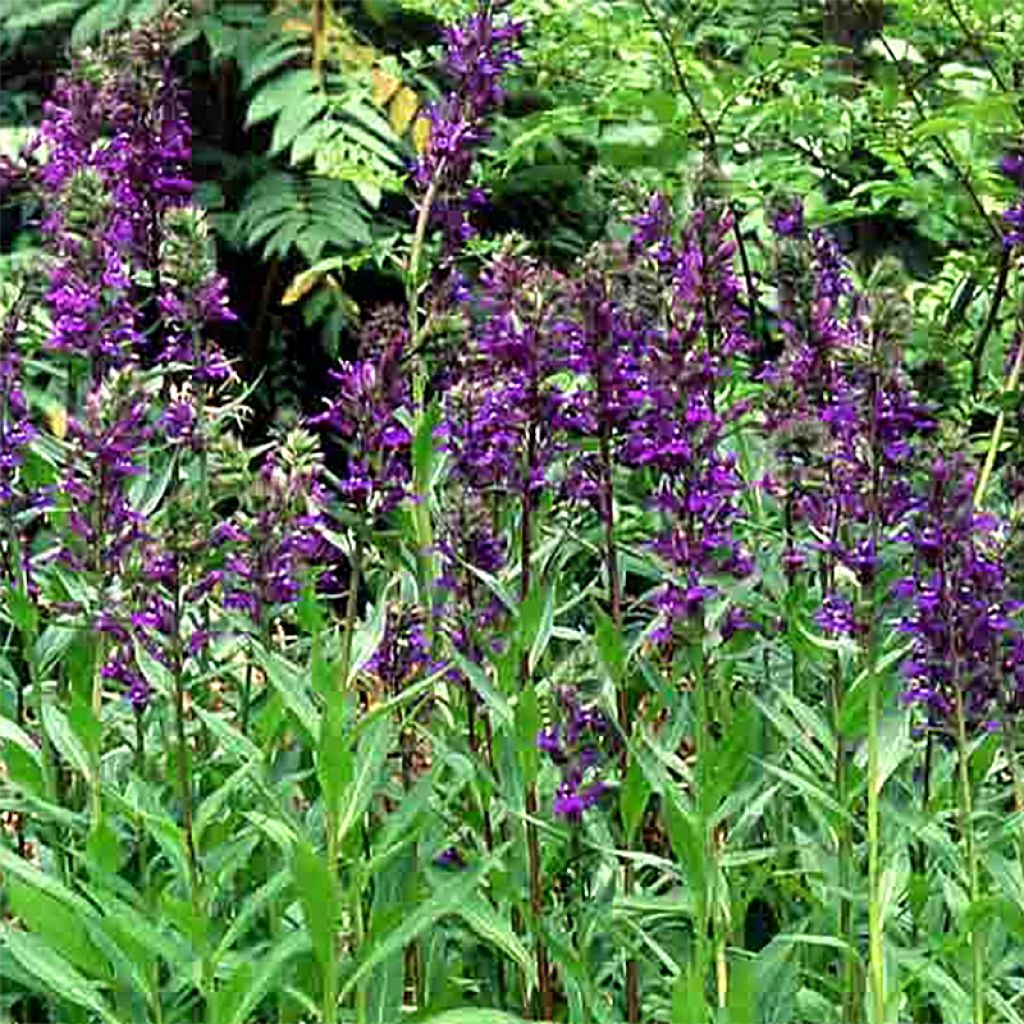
736, 621
836, 615
373, 399
477, 53
576, 744
788, 221
404, 653
107, 452
16, 428
967, 643
1012, 165
450, 858
121, 669
503, 406
845, 424
678, 432
275, 542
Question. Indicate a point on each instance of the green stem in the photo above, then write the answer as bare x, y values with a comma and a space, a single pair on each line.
876, 947
966, 802
143, 863
181, 740
546, 1003
330, 1007
623, 696
412, 272
1011, 384
351, 608
359, 936
421, 509
700, 736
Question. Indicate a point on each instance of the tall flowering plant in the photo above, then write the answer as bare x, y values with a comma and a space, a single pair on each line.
962, 618
680, 432
477, 53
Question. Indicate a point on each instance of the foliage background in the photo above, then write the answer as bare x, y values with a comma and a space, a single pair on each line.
894, 147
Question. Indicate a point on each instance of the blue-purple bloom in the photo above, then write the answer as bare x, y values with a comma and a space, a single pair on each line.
680, 430
503, 407
1012, 165
967, 641
370, 412
578, 742
403, 654
16, 428
272, 546
477, 53
845, 425
788, 221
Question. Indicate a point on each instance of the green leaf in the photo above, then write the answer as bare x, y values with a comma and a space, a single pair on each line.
611, 648
291, 685
424, 446
77, 654
85, 724
10, 730
123, 922
103, 847
475, 1015
233, 742
635, 793
156, 673
1000, 908
55, 973
318, 896
485, 921
251, 983
60, 926
527, 726
370, 758
23, 770
210, 809
66, 742
22, 611
688, 844
394, 884
689, 1005
295, 118
380, 948
811, 790
251, 907
481, 683
334, 757
280, 93
743, 987
17, 867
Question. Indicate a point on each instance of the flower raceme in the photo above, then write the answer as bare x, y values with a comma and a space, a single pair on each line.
962, 619
478, 51
577, 743
116, 140
679, 433
369, 412
845, 424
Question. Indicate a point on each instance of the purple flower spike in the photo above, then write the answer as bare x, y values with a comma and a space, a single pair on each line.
477, 54
964, 626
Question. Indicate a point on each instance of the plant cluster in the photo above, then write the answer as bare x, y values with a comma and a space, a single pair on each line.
594, 619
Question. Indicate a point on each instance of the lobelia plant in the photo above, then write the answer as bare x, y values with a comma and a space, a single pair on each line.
477, 710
